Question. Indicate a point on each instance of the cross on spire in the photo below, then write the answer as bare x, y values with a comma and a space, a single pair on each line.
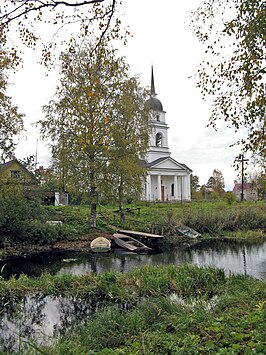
152, 83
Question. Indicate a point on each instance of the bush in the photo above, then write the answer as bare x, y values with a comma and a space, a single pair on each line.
18, 217
229, 197
14, 212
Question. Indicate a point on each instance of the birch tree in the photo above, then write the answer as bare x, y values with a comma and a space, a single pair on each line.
82, 120
33, 20
233, 72
130, 132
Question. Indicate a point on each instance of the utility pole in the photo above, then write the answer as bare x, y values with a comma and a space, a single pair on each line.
242, 159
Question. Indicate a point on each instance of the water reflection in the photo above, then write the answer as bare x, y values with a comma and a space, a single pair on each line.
42, 319
233, 256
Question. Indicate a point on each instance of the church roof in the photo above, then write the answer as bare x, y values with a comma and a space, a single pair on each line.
147, 165
153, 103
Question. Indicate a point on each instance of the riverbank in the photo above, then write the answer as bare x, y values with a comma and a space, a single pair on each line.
212, 220
80, 244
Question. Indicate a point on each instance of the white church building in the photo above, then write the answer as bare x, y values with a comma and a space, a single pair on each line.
166, 179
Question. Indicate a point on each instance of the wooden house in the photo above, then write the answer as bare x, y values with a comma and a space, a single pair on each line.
13, 170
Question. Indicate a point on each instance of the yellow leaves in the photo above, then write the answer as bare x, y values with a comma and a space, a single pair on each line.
261, 305
107, 119
253, 57
89, 94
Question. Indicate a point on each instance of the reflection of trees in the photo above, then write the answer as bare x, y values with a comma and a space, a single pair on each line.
21, 318
73, 311
39, 318
34, 265
225, 245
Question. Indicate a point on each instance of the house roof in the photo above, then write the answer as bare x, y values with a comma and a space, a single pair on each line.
5, 165
246, 186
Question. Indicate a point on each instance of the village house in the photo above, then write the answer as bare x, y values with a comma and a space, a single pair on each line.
13, 170
166, 179
250, 193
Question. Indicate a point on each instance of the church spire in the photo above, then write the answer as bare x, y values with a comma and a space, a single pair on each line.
153, 94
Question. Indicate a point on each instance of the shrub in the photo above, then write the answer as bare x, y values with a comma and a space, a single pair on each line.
14, 212
22, 219
229, 197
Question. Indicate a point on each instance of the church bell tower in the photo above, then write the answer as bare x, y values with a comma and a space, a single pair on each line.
158, 140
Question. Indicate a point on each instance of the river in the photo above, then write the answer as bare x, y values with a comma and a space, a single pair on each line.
245, 257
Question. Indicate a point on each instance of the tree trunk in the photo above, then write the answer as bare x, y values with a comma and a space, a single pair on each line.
93, 208
121, 211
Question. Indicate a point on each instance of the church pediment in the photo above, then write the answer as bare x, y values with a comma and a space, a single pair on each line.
167, 163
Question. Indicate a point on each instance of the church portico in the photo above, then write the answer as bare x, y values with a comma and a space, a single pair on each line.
166, 179
167, 187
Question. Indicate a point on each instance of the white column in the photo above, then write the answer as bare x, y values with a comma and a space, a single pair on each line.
189, 187
182, 188
179, 186
175, 197
186, 187
159, 187
148, 187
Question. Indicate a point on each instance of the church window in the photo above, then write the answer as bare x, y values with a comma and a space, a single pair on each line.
173, 190
159, 139
158, 118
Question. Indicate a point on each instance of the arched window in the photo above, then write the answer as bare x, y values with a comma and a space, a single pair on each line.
159, 137
158, 118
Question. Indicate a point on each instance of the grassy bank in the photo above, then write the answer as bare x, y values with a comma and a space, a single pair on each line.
207, 217
211, 219
172, 309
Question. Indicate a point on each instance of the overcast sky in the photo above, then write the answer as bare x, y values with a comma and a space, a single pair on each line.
162, 38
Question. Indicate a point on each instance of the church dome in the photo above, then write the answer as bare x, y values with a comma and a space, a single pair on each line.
154, 104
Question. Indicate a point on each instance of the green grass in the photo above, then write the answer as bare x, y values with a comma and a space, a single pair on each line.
209, 314
211, 219
146, 281
206, 217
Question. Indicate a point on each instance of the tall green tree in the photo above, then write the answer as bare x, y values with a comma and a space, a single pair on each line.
11, 120
83, 119
233, 72
130, 134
